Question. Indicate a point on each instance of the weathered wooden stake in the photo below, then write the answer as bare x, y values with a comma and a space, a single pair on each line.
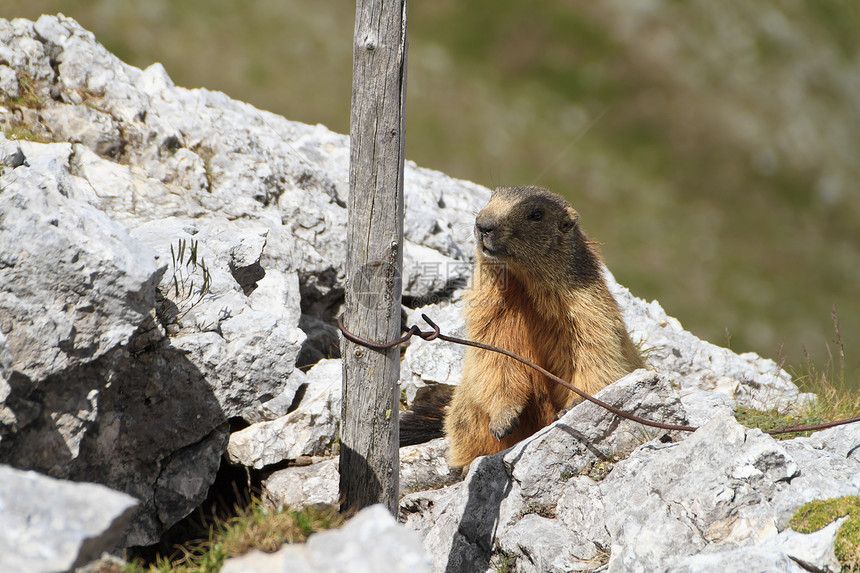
369, 433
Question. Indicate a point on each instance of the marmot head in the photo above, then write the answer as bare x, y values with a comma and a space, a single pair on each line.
536, 235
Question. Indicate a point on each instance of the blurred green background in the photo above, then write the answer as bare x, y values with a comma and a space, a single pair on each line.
712, 147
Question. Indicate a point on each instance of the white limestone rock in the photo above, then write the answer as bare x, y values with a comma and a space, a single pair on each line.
49, 525
75, 283
424, 466
298, 486
433, 366
546, 544
370, 542
830, 467
9, 82
307, 431
242, 330
589, 435
193, 152
788, 552
710, 490
430, 276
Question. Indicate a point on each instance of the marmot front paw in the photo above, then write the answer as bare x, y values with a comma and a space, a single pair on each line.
505, 422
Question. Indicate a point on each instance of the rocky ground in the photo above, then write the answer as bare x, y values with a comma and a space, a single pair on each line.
171, 261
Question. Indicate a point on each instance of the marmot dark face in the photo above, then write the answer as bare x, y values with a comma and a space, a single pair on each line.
535, 234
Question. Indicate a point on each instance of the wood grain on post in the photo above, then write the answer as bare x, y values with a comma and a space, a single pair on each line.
369, 433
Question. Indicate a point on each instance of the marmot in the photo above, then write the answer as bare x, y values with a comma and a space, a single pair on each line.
537, 290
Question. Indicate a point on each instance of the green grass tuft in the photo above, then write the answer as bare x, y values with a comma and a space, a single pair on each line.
541, 509
817, 514
27, 96
833, 401
21, 132
835, 397
502, 561
775, 419
254, 527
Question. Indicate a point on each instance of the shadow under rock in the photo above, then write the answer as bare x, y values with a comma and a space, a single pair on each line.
488, 484
145, 423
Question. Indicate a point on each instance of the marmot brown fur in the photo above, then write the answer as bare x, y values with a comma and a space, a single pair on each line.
538, 290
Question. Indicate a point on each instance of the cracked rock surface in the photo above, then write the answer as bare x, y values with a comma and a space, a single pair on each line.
49, 525
723, 494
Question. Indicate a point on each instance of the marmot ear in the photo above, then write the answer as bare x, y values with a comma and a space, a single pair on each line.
569, 220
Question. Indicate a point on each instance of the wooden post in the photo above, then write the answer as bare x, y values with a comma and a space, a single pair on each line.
369, 433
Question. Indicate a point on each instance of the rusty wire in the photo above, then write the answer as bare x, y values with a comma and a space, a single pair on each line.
436, 334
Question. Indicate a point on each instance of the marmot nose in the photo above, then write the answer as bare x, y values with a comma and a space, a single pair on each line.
483, 227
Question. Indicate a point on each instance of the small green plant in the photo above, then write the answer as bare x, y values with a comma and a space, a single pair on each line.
832, 402
503, 561
22, 132
601, 468
27, 96
834, 399
600, 559
254, 527
816, 514
206, 154
647, 434
186, 268
334, 446
541, 509
773, 419
645, 352
182, 289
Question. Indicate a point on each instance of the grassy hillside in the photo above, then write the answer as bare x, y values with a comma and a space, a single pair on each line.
712, 147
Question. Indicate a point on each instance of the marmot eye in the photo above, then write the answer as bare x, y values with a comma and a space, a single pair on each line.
536, 215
